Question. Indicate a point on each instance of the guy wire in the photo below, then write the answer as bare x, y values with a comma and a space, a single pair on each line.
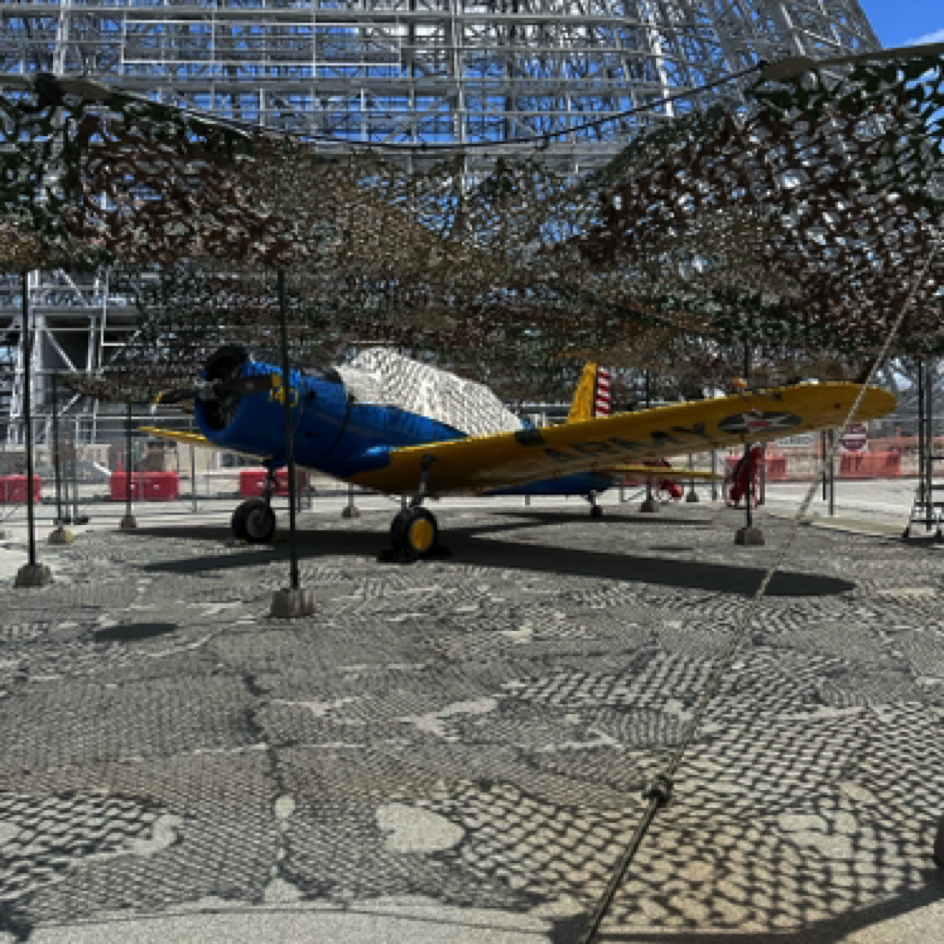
660, 791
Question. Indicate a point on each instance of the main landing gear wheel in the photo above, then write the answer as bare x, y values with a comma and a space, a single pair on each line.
596, 511
254, 521
413, 532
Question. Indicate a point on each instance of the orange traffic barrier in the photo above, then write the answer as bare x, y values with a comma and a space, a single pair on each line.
869, 465
891, 464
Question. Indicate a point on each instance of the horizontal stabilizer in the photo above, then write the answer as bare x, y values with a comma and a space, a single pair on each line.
664, 472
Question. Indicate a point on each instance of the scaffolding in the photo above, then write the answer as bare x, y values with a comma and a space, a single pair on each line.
461, 73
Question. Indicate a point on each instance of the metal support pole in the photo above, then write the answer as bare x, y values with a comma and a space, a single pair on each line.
74, 466
748, 459
762, 498
289, 437
831, 471
193, 479
128, 465
648, 401
924, 497
692, 494
822, 449
714, 472
27, 413
929, 444
66, 475
55, 446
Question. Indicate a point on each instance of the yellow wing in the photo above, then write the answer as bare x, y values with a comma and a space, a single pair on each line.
195, 439
482, 463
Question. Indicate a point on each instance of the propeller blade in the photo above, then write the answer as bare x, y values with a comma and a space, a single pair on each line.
221, 390
180, 395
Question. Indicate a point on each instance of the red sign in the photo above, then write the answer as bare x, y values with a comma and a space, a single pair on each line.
855, 438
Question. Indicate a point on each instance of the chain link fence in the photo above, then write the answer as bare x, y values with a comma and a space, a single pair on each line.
81, 473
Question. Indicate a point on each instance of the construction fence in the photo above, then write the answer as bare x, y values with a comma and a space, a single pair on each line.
167, 476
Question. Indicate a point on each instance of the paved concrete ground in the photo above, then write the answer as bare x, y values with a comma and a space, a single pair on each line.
454, 751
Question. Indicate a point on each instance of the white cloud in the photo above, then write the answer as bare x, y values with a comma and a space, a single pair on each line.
937, 37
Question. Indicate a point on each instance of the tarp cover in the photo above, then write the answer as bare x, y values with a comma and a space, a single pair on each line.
381, 376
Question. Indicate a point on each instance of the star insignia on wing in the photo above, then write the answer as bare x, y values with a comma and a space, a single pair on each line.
755, 420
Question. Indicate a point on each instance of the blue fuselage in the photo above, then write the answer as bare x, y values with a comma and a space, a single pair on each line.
340, 437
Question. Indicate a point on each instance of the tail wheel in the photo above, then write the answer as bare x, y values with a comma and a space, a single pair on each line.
414, 530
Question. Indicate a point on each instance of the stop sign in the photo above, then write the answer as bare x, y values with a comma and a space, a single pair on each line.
855, 438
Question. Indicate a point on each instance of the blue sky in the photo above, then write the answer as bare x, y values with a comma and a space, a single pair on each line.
898, 22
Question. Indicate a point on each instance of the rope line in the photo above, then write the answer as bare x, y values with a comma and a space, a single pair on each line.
544, 137
660, 791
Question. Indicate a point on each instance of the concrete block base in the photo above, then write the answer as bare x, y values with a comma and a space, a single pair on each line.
649, 505
290, 604
33, 575
128, 523
61, 536
692, 497
749, 536
350, 511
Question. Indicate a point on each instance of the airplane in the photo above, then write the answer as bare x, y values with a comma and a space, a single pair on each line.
402, 427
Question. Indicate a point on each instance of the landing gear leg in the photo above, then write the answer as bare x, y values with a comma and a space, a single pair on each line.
595, 510
414, 531
254, 520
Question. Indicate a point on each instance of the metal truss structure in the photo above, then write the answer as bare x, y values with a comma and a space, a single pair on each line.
477, 74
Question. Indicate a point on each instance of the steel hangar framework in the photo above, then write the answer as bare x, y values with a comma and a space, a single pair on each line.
473, 73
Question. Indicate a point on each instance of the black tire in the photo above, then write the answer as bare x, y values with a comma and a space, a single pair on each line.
259, 523
415, 531
238, 521
596, 511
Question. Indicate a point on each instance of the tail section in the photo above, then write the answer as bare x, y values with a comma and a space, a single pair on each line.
592, 396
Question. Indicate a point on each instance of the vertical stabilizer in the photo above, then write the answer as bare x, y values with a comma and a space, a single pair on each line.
592, 396
581, 407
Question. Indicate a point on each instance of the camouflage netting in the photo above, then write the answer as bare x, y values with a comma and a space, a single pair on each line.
796, 226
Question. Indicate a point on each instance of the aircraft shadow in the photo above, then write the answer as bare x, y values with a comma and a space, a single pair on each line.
552, 517
467, 547
830, 931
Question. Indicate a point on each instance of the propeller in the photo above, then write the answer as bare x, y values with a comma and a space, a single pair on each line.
223, 387
220, 390
795, 66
